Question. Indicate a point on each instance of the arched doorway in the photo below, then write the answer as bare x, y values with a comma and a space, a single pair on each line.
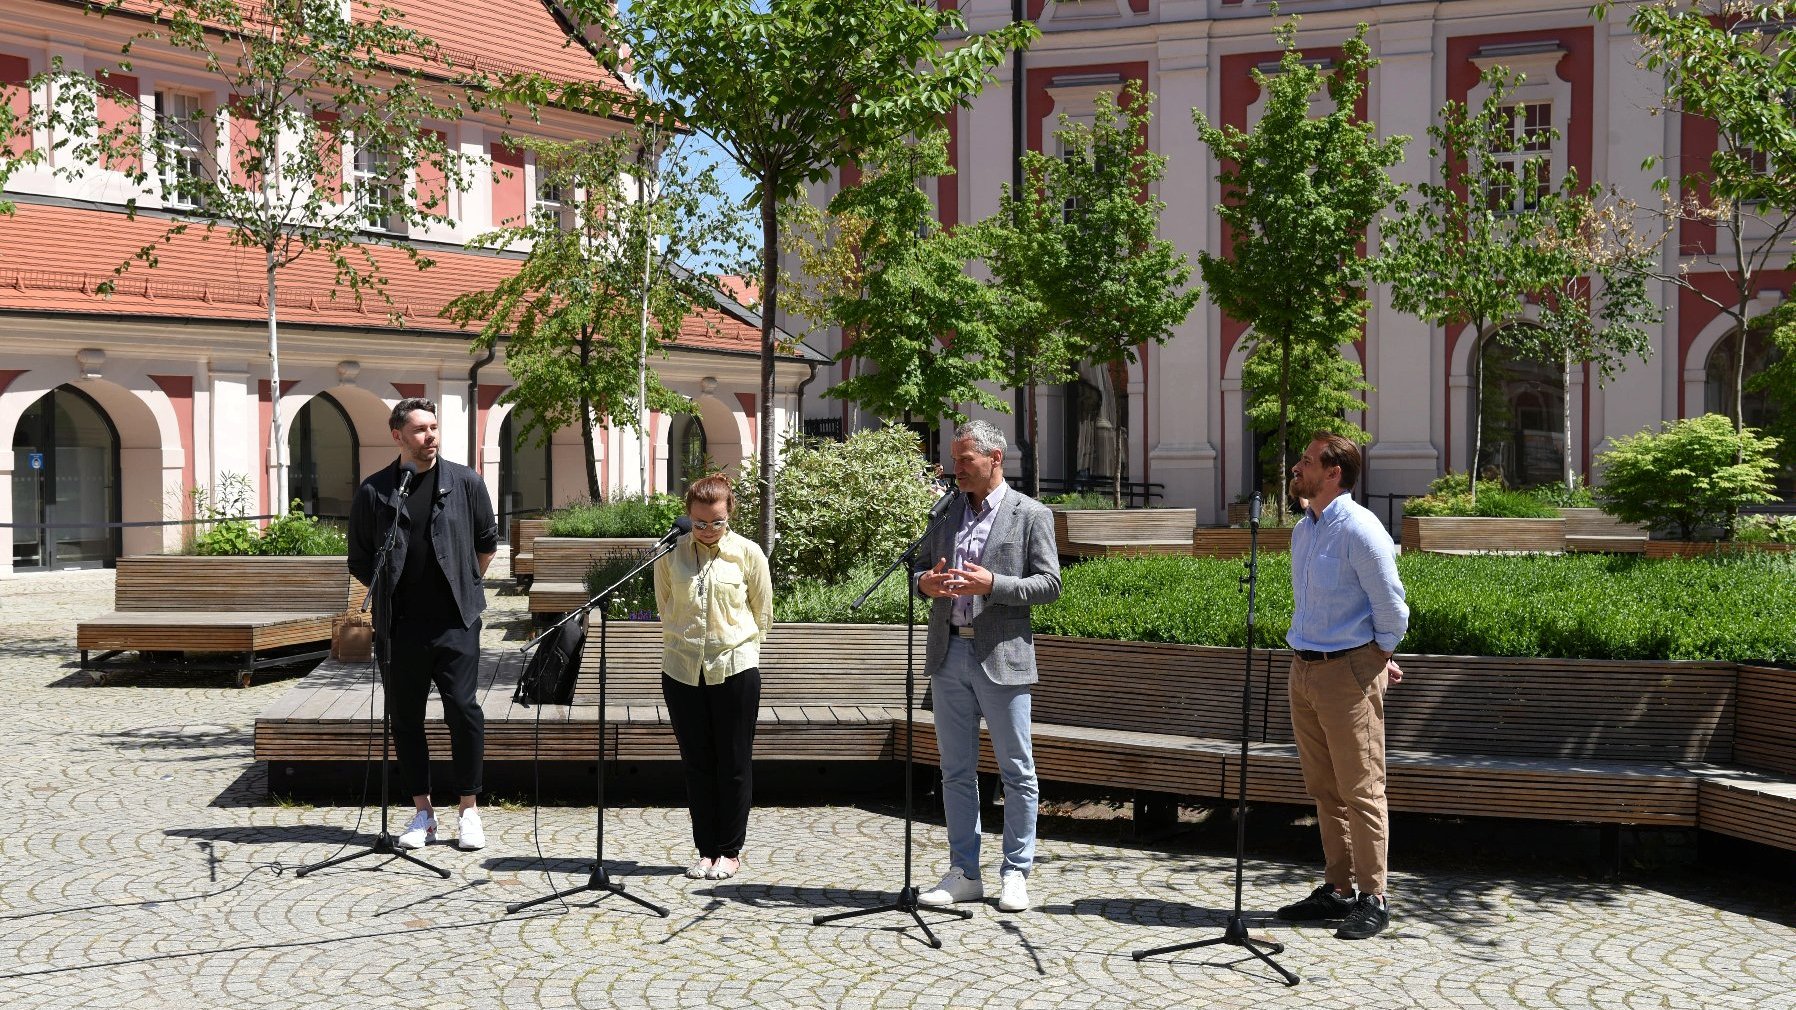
686, 452
65, 472
1523, 403
1757, 408
326, 457
525, 470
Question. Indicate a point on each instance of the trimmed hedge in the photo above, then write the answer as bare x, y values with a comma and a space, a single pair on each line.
1580, 606
622, 516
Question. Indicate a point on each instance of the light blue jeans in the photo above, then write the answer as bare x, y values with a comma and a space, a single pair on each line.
962, 694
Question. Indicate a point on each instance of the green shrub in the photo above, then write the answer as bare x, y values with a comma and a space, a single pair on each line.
1491, 503
1765, 529
623, 515
635, 600
815, 602
842, 505
1685, 476
1080, 500
1585, 606
298, 533
1578, 496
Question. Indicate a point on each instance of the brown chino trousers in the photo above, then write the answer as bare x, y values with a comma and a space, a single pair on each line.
1337, 716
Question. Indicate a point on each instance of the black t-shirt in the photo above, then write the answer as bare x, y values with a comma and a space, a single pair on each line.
423, 592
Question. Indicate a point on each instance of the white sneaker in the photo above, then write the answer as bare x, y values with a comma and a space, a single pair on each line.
1013, 895
954, 888
420, 831
470, 834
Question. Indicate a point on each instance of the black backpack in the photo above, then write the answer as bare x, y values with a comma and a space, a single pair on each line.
549, 677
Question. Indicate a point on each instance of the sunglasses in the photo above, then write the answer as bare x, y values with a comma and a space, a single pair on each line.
699, 525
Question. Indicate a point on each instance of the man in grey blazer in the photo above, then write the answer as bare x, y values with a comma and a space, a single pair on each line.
996, 559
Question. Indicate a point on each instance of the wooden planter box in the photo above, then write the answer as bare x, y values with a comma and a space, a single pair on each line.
1704, 548
559, 584
1588, 529
1478, 535
1111, 532
1228, 542
523, 546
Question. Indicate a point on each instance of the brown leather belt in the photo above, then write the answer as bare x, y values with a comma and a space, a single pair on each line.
1312, 656
961, 630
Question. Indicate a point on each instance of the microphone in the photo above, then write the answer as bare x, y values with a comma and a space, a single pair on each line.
950, 491
1253, 510
681, 526
407, 471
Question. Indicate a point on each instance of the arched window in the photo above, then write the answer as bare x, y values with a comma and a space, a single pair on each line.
1757, 409
326, 455
524, 469
65, 472
1523, 403
686, 453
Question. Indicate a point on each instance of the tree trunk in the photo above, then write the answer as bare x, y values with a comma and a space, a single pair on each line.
770, 248
642, 361
1119, 387
277, 474
1284, 424
1031, 452
593, 491
1477, 414
1566, 385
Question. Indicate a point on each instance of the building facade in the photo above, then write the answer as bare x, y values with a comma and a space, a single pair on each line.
1186, 428
117, 408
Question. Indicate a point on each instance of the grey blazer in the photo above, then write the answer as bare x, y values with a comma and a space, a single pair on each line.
1025, 567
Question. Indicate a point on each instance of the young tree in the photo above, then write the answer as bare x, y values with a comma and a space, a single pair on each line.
1025, 248
896, 283
1122, 286
789, 89
1321, 386
1472, 250
1299, 194
1694, 472
313, 92
1729, 62
571, 317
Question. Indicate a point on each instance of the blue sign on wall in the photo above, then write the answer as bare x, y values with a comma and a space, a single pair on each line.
37, 461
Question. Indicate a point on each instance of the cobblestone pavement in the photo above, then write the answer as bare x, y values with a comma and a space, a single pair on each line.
143, 864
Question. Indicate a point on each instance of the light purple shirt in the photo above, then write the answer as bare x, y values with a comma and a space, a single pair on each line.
969, 544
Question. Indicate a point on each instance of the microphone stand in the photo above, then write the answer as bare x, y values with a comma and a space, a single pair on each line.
384, 843
1236, 931
599, 880
906, 902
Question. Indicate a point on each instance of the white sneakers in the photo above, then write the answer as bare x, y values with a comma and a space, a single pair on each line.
469, 834
724, 868
956, 887
1013, 894
421, 830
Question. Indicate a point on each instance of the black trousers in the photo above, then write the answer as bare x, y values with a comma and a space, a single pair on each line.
424, 653
715, 725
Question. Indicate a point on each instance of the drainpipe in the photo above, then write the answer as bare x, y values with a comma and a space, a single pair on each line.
474, 406
807, 380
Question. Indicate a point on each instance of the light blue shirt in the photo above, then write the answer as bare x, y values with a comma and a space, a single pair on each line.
1344, 577
969, 543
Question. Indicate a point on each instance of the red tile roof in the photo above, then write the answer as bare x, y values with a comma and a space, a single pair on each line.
53, 259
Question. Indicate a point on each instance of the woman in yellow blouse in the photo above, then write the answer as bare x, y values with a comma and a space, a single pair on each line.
715, 597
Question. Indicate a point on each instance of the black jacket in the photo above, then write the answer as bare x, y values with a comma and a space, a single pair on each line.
462, 527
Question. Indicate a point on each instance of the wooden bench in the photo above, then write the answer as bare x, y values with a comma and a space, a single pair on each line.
1754, 796
1478, 535
1525, 738
828, 693
1092, 533
1589, 529
255, 612
561, 565
523, 534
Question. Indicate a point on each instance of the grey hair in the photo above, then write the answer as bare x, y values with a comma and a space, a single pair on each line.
987, 437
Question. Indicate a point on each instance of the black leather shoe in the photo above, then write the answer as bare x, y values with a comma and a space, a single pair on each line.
1322, 904
1368, 918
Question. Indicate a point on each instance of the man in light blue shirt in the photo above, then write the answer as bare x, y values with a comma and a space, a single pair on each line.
1350, 614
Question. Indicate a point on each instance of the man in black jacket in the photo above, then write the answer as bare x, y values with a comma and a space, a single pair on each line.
431, 603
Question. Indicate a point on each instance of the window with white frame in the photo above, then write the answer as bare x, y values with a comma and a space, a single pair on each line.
375, 185
181, 139
554, 201
1525, 151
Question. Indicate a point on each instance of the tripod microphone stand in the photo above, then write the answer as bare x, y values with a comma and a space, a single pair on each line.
384, 843
600, 880
1235, 932
906, 901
